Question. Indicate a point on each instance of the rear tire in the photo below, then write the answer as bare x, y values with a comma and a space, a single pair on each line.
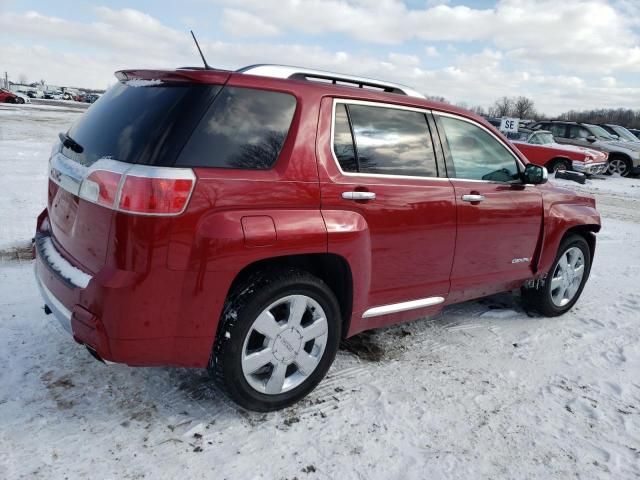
278, 335
564, 283
19, 100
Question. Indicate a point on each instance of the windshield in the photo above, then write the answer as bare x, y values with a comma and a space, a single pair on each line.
624, 134
541, 138
600, 132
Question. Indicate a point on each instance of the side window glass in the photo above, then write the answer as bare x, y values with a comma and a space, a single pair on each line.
243, 128
343, 141
555, 129
476, 154
392, 141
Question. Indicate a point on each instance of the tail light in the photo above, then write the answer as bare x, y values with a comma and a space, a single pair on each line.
139, 189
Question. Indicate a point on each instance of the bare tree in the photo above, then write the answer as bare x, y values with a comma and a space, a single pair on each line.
523, 107
502, 107
22, 79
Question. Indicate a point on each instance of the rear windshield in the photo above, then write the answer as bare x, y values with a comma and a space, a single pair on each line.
143, 122
154, 123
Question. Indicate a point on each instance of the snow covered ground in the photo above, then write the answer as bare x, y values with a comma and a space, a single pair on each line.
482, 391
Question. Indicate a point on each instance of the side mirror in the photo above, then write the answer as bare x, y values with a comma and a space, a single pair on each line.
591, 138
535, 174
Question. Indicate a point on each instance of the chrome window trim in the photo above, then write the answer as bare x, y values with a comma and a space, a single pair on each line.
343, 101
402, 306
482, 127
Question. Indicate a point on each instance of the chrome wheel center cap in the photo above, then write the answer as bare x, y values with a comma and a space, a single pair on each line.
287, 345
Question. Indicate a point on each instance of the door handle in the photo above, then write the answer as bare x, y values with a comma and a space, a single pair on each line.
358, 195
474, 197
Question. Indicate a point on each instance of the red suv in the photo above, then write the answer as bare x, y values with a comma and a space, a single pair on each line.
248, 221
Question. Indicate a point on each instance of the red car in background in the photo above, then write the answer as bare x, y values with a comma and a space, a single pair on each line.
7, 96
541, 149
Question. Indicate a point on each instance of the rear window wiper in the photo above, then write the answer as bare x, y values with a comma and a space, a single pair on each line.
69, 142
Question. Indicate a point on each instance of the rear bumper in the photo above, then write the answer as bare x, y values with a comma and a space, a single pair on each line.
62, 313
116, 314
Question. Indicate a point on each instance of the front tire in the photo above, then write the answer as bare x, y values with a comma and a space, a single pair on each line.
620, 166
279, 334
565, 281
19, 100
558, 165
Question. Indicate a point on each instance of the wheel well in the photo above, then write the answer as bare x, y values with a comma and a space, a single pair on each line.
330, 268
620, 155
556, 159
587, 232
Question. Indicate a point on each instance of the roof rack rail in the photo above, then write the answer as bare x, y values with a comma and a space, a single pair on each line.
300, 73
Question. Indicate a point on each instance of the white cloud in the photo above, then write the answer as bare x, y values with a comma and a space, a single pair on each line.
243, 24
128, 38
431, 51
588, 35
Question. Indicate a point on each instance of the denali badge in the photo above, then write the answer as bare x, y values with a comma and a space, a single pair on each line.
520, 260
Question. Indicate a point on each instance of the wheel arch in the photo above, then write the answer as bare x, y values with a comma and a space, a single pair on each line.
550, 163
332, 269
588, 232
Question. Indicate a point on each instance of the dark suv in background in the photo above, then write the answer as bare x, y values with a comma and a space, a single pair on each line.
624, 157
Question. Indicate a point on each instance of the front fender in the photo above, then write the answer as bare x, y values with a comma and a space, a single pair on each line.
559, 218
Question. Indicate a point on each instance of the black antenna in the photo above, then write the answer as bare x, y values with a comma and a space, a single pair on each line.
206, 65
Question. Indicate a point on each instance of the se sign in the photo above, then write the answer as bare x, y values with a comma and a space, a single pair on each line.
509, 125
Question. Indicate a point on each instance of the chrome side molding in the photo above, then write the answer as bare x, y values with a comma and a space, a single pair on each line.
402, 307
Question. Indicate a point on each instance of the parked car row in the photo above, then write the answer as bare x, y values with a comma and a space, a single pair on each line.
624, 153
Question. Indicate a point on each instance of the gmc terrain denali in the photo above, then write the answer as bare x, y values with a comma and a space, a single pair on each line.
247, 221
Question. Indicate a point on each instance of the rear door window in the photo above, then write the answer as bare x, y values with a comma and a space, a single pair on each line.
388, 141
244, 128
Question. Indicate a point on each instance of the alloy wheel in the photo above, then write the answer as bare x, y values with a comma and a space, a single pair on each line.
284, 344
567, 277
618, 166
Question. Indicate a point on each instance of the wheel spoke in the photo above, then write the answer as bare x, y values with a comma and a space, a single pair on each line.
266, 325
579, 270
257, 360
276, 381
555, 283
305, 362
296, 310
315, 330
563, 264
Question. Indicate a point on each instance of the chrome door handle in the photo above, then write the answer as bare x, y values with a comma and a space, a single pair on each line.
358, 195
472, 198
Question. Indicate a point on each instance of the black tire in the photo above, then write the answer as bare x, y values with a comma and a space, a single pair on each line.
241, 309
614, 166
558, 164
19, 100
540, 299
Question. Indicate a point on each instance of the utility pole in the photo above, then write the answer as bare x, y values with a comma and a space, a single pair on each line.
6, 81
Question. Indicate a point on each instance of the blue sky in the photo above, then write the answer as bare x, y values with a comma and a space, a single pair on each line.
567, 54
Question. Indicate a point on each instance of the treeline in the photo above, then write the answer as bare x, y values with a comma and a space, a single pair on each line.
620, 116
517, 107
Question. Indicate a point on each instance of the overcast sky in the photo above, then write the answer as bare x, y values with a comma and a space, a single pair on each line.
562, 53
